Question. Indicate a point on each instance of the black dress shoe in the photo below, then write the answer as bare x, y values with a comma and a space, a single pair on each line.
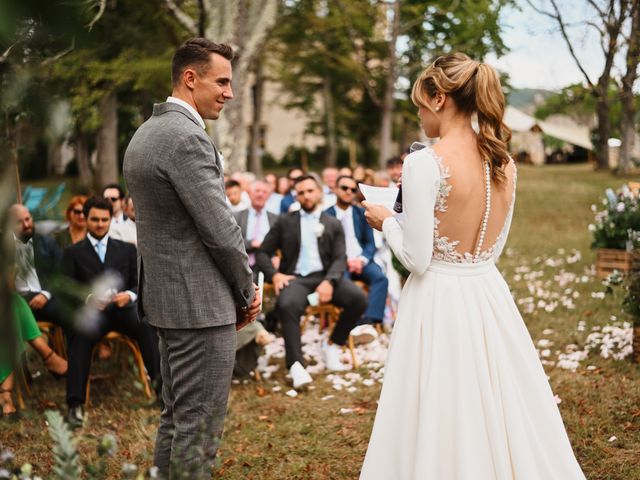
76, 417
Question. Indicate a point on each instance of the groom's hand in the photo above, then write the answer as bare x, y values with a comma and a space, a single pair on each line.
249, 315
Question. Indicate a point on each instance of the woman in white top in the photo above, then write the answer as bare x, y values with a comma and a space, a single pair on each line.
465, 396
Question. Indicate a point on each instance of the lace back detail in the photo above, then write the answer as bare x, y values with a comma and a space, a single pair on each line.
445, 249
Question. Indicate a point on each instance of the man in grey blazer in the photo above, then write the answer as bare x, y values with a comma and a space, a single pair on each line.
255, 221
195, 286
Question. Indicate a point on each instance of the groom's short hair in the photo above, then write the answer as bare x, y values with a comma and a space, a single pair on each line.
196, 53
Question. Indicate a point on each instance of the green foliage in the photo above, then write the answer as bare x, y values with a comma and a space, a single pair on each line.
618, 224
631, 302
345, 43
67, 463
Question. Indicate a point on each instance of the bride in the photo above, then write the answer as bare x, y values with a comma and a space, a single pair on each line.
465, 396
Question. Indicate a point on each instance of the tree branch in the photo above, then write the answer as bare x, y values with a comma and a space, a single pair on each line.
102, 5
7, 52
58, 56
183, 19
563, 31
597, 8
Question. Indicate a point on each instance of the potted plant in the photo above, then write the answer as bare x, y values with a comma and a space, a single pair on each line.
631, 305
616, 232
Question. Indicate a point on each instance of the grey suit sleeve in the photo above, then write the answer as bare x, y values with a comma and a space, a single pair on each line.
197, 181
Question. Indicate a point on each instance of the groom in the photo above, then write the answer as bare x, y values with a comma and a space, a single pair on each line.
195, 280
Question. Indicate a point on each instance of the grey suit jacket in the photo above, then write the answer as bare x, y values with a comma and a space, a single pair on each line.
193, 268
242, 217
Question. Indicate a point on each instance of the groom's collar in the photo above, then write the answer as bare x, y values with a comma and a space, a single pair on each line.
189, 108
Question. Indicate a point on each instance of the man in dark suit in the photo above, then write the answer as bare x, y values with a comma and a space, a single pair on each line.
361, 249
99, 257
37, 261
255, 221
313, 262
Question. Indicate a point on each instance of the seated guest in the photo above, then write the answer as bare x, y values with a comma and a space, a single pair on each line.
394, 169
255, 221
250, 342
329, 177
76, 226
37, 261
129, 209
361, 249
233, 190
275, 199
27, 330
84, 262
122, 228
289, 197
313, 261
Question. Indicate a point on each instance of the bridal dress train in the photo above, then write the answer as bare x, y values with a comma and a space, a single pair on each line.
464, 396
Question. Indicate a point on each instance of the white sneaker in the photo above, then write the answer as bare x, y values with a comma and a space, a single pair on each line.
364, 334
299, 376
331, 353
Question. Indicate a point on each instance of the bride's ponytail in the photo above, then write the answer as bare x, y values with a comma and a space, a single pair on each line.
493, 134
474, 87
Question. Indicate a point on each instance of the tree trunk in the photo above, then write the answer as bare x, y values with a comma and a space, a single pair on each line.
388, 101
85, 174
331, 154
602, 157
107, 142
628, 106
255, 149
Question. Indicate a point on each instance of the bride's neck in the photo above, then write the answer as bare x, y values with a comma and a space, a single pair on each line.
458, 126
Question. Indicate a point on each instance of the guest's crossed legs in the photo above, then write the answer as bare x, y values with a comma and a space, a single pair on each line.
292, 303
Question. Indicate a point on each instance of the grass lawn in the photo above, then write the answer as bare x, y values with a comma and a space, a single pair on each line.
272, 436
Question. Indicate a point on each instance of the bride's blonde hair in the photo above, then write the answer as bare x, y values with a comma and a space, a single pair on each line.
474, 87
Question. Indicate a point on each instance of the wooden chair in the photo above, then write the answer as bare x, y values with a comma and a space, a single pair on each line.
328, 315
112, 337
56, 337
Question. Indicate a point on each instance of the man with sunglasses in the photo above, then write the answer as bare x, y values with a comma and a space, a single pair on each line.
122, 228
361, 249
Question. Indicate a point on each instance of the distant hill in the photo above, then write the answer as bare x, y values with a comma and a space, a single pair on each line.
527, 98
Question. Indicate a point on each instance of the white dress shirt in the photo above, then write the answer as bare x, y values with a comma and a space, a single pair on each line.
27, 280
192, 110
251, 224
273, 203
123, 229
311, 229
105, 241
354, 250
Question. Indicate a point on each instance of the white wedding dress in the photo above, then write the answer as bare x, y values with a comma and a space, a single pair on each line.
464, 395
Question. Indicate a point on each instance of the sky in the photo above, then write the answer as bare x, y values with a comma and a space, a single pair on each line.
538, 56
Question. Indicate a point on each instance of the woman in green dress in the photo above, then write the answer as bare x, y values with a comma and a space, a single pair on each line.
28, 331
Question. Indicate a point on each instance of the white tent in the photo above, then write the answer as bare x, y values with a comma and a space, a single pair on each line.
567, 130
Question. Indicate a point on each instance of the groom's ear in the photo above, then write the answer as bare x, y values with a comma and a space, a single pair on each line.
189, 77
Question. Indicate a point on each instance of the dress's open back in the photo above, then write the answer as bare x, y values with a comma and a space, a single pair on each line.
464, 396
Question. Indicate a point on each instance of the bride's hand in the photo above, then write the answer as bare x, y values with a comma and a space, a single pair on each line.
376, 214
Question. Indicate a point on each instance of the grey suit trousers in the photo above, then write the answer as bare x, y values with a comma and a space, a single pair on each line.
197, 365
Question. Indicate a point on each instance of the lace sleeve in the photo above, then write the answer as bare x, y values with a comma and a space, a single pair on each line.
410, 235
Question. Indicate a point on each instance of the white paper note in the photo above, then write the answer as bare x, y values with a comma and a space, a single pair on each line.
379, 195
